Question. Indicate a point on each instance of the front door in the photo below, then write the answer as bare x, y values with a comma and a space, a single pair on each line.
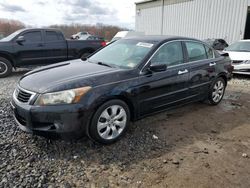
31, 50
162, 90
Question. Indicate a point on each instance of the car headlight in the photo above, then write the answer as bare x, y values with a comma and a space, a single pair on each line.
246, 62
62, 97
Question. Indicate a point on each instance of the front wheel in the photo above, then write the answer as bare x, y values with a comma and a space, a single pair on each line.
5, 67
110, 122
217, 91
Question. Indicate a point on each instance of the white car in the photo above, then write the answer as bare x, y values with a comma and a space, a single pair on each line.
123, 34
239, 53
77, 36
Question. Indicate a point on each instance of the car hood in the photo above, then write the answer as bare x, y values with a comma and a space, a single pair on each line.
238, 56
62, 76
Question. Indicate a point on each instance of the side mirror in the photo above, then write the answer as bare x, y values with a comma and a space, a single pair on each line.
84, 58
158, 68
20, 39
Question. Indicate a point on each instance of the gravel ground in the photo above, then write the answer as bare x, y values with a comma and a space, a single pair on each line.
193, 146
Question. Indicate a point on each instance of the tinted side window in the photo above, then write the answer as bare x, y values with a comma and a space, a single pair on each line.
196, 51
51, 36
170, 54
60, 36
33, 37
210, 52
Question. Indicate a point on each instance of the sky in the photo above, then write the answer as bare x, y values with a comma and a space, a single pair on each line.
39, 13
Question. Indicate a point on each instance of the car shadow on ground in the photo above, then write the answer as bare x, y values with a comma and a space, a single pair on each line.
19, 72
148, 138
241, 76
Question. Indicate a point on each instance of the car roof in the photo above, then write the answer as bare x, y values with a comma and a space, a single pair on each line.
160, 38
34, 29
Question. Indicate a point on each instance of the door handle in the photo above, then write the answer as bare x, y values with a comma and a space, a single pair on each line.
183, 72
212, 64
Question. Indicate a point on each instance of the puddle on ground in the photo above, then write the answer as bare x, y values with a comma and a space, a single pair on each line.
226, 106
235, 96
230, 103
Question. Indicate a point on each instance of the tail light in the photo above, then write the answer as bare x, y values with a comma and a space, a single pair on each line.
103, 43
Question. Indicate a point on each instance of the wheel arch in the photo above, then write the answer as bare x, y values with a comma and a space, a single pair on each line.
223, 76
100, 102
123, 98
9, 58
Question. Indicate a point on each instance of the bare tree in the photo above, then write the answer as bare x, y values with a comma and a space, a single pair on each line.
106, 31
9, 26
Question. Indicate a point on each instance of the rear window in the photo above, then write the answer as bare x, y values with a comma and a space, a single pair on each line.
60, 36
210, 52
52, 36
196, 51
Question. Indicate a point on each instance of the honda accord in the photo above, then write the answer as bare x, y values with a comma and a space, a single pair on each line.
125, 81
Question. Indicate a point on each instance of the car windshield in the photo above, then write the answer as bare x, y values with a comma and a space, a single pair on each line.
11, 36
124, 53
239, 47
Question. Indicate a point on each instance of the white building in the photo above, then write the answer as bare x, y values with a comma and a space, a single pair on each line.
227, 19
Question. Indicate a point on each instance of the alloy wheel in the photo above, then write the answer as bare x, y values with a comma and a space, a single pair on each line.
3, 68
218, 91
112, 122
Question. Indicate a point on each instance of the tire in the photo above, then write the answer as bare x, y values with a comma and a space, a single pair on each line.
217, 91
5, 67
109, 122
77, 38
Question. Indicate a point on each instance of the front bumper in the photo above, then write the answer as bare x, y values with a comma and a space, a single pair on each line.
241, 68
62, 121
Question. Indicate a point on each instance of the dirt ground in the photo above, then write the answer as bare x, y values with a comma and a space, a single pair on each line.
210, 145
193, 146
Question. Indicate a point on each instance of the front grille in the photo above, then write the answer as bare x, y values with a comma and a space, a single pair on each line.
23, 95
237, 62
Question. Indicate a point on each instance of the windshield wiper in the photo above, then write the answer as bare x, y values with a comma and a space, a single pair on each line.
104, 64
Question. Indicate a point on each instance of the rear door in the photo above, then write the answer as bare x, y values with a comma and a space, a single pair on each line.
162, 90
201, 60
55, 47
31, 50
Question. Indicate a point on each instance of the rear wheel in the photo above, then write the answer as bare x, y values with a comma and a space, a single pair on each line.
5, 67
110, 122
217, 91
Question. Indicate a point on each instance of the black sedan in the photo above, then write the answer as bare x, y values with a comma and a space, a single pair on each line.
125, 81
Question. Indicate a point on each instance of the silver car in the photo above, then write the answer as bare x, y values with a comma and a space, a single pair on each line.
239, 52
